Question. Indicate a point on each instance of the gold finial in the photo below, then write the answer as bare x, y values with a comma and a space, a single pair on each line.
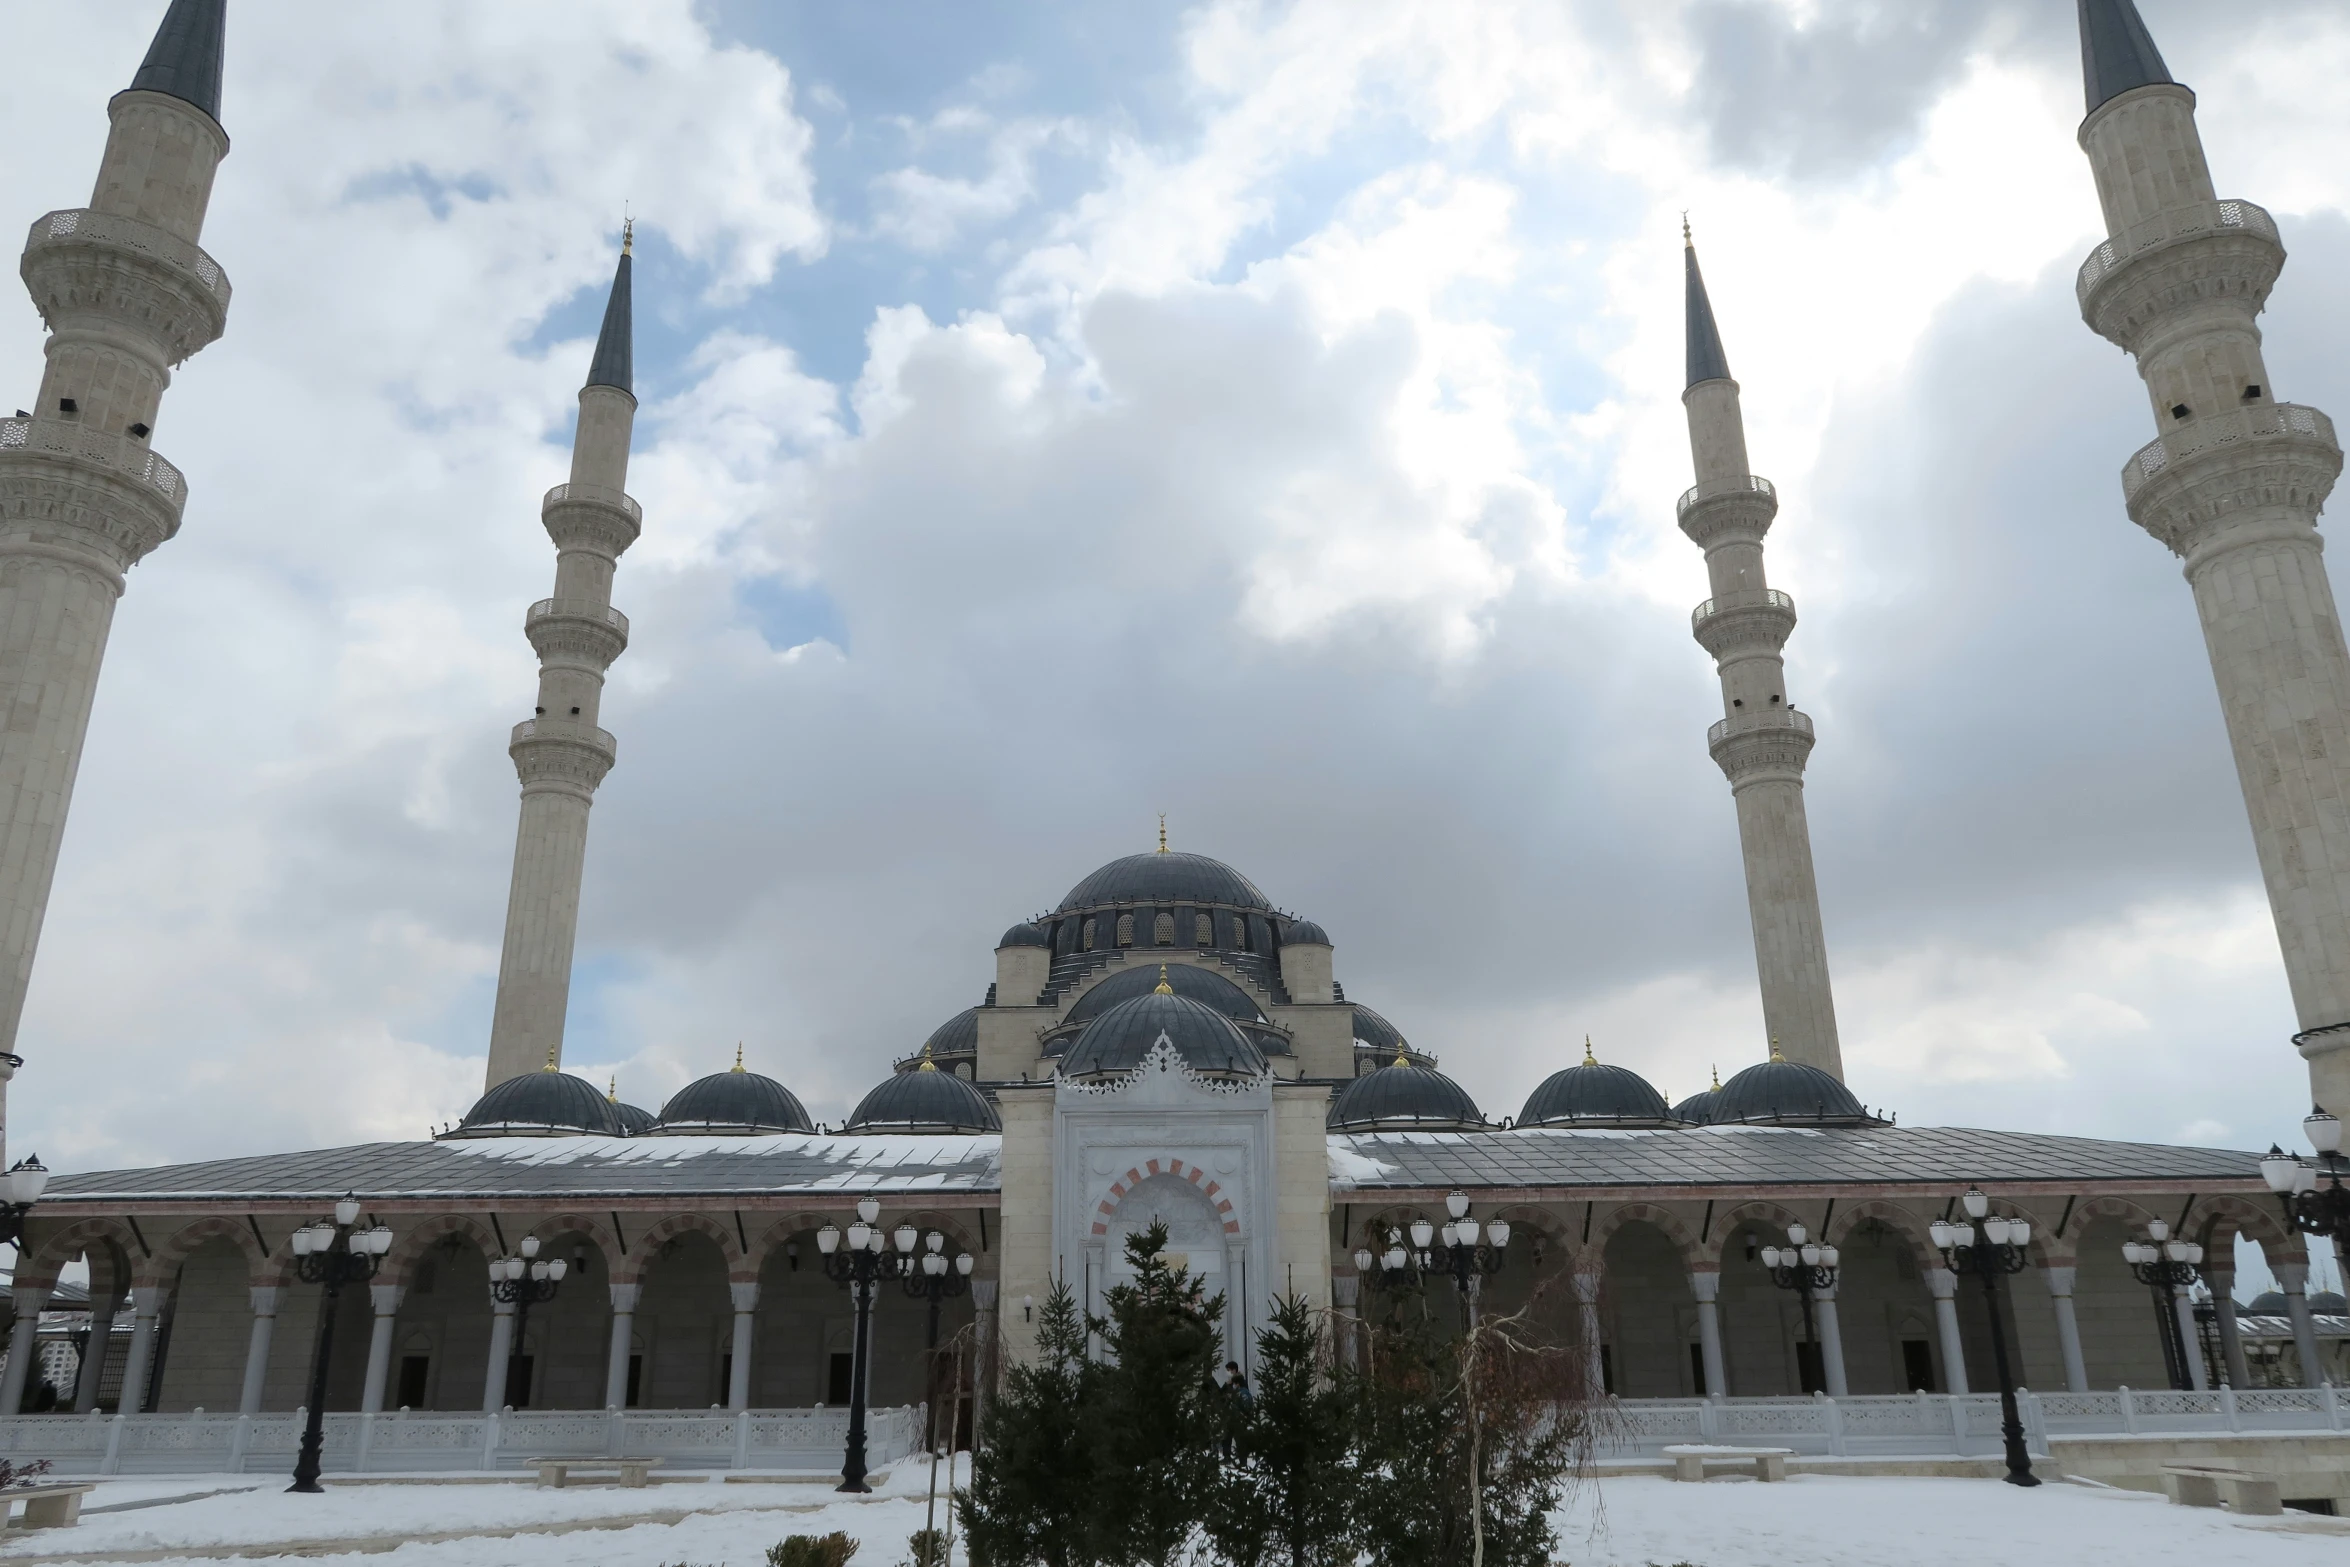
627, 235
1400, 1058
612, 1094
927, 1064
1162, 832
1164, 989
550, 1066
1588, 1058
738, 1055
1775, 1056
1717, 1072
1685, 239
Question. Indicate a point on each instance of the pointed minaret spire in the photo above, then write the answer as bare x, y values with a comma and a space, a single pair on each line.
2117, 53
560, 753
1762, 743
615, 361
1707, 362
184, 60
2232, 483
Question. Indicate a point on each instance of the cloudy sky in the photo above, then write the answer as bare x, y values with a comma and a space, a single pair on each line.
1056, 414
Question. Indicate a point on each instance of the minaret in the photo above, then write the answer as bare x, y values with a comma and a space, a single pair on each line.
2232, 484
560, 754
1761, 743
126, 295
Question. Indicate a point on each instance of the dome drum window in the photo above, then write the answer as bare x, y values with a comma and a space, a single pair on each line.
1125, 930
1204, 931
1163, 929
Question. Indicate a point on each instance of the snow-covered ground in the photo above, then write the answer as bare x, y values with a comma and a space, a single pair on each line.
1821, 1521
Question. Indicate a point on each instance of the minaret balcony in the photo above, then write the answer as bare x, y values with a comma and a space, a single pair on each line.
576, 631
1743, 620
564, 754
62, 471
1771, 740
592, 517
80, 264
2193, 480
2185, 257
1740, 509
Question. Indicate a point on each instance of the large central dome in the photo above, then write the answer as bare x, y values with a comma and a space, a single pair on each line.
1165, 877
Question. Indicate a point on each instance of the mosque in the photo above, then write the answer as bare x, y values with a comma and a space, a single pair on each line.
1168, 1044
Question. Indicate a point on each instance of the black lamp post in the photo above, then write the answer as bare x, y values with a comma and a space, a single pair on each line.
332, 1255
19, 1189
527, 1281
934, 1276
2309, 1208
1809, 1269
1989, 1248
2167, 1266
1462, 1255
862, 1267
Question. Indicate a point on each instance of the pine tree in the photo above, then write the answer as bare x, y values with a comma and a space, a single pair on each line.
1156, 1420
1294, 1493
1033, 1481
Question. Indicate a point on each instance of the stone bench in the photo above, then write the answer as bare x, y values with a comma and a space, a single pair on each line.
2206, 1485
46, 1506
1690, 1460
628, 1472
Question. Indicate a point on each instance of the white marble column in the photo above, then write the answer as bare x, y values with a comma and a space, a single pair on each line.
2068, 1328
1706, 1285
1831, 1343
1587, 1311
91, 1380
386, 1300
146, 1306
257, 1347
2198, 1376
493, 1382
1944, 1284
2293, 1279
738, 1381
2231, 1333
1346, 1293
983, 1332
623, 1337
23, 1345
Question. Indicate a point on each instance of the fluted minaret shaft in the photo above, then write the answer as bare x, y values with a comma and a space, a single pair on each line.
127, 295
2232, 484
1761, 743
560, 753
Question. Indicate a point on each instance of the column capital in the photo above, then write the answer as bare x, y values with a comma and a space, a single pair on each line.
147, 1299
2060, 1280
745, 1296
624, 1296
264, 1299
501, 1308
1345, 1290
1587, 1287
983, 1294
30, 1300
386, 1298
1705, 1284
1943, 1283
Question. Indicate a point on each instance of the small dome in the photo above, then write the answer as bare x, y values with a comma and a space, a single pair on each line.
732, 1104
1403, 1098
1592, 1094
1025, 934
1164, 878
1787, 1092
1121, 1037
1698, 1108
2270, 1303
633, 1121
957, 1036
2327, 1303
545, 1103
1304, 933
924, 1100
1189, 980
1375, 1033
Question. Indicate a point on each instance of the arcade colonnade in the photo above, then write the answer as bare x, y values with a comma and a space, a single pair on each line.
683, 1311
1672, 1300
